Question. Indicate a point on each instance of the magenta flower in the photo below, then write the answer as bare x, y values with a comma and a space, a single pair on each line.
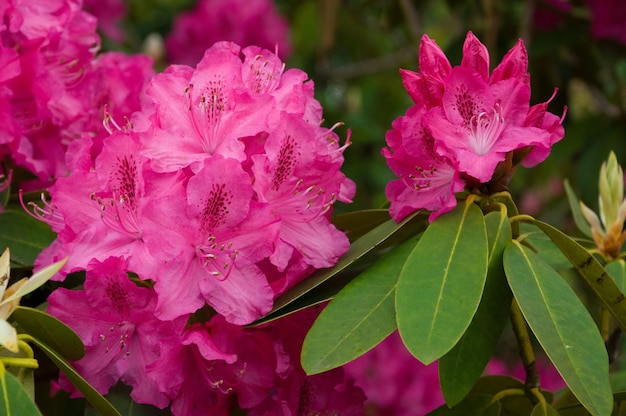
394, 381
217, 195
54, 89
115, 319
245, 22
464, 124
607, 19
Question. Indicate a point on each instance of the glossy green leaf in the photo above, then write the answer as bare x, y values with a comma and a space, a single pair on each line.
358, 223
562, 326
477, 405
50, 331
595, 275
460, 368
26, 236
441, 283
101, 404
577, 213
617, 270
544, 409
14, 400
388, 232
359, 317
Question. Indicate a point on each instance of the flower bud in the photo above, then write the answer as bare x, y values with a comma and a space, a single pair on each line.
609, 235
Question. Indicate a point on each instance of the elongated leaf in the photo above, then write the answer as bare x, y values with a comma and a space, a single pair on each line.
14, 400
460, 368
385, 233
358, 223
93, 397
577, 213
562, 326
359, 317
617, 270
25, 236
441, 283
598, 279
49, 330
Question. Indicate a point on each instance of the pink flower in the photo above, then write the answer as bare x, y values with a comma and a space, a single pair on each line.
394, 381
427, 180
245, 22
464, 124
217, 195
115, 319
207, 110
108, 13
55, 91
227, 233
607, 19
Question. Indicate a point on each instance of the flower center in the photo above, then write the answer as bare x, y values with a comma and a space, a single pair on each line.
484, 131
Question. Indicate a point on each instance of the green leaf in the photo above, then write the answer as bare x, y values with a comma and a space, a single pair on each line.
460, 368
441, 283
544, 409
359, 317
562, 326
358, 223
26, 236
389, 232
477, 405
49, 330
595, 275
93, 397
579, 218
14, 400
617, 270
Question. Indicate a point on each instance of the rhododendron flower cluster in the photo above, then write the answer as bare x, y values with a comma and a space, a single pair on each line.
468, 128
216, 198
53, 87
244, 22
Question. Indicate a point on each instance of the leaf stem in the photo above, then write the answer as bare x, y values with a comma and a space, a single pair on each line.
520, 328
511, 209
507, 393
20, 362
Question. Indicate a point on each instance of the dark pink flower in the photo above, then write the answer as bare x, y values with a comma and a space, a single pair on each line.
465, 123
607, 19
115, 319
427, 180
58, 92
245, 22
394, 381
226, 233
108, 13
207, 110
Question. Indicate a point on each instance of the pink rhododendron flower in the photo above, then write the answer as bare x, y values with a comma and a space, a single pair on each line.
394, 381
217, 196
465, 123
108, 13
607, 19
54, 91
115, 319
245, 22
